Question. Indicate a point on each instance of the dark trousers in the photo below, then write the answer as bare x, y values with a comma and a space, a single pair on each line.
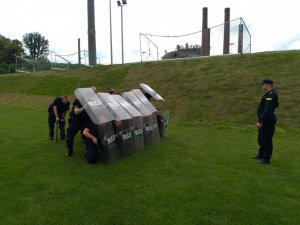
51, 123
160, 123
91, 152
74, 127
265, 136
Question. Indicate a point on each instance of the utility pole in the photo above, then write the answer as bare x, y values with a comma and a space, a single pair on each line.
124, 2
111, 46
91, 32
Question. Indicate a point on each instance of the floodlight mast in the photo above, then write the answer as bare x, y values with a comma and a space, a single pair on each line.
111, 45
91, 32
124, 2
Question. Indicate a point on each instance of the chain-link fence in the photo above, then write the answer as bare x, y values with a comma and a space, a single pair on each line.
70, 61
157, 47
54, 61
26, 65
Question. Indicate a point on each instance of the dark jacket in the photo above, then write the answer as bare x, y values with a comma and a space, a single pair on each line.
83, 117
61, 107
268, 104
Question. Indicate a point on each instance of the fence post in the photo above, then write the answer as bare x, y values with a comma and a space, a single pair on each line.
79, 53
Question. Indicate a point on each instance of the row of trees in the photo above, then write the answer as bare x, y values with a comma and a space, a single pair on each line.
187, 47
33, 46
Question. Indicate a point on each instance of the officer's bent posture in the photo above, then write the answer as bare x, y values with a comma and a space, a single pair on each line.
77, 122
266, 122
57, 112
93, 143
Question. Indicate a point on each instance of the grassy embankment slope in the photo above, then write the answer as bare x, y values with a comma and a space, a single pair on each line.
223, 90
201, 174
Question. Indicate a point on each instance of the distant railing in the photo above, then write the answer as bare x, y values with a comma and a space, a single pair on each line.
26, 65
70, 61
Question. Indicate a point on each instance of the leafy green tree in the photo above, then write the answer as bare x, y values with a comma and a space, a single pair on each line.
186, 45
9, 50
36, 45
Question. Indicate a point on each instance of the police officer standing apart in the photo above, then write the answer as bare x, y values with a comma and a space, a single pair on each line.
57, 112
77, 122
266, 122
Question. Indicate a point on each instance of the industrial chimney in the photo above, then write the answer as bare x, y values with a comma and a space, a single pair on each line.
226, 31
205, 47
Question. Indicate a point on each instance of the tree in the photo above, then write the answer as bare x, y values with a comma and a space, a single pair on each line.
179, 47
9, 49
36, 45
187, 45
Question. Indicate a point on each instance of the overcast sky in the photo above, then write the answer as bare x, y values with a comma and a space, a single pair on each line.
273, 24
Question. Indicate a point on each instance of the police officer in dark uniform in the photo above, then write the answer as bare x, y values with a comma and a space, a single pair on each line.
93, 142
111, 90
160, 119
57, 112
266, 122
147, 95
77, 122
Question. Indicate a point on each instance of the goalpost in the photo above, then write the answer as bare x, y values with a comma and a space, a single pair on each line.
58, 62
70, 61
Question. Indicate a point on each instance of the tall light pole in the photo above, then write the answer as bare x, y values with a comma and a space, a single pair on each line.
91, 33
111, 47
124, 2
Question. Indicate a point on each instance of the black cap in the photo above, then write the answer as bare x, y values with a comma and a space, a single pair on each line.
267, 81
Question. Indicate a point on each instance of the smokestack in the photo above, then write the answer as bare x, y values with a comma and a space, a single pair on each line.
91, 32
204, 18
205, 46
240, 40
226, 31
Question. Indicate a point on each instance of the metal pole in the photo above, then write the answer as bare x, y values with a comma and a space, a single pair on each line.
79, 53
141, 48
111, 47
247, 31
91, 33
122, 34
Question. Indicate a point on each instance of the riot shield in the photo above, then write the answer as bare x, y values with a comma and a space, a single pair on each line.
146, 116
103, 119
123, 124
93, 106
153, 110
108, 144
137, 133
150, 91
144, 100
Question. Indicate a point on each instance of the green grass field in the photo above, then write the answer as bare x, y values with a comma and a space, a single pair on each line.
199, 175
202, 174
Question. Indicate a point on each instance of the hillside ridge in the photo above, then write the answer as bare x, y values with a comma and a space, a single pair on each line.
212, 90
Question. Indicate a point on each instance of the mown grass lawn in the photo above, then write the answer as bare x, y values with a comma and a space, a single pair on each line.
200, 174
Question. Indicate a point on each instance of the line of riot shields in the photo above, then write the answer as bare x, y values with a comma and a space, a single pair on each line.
125, 123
